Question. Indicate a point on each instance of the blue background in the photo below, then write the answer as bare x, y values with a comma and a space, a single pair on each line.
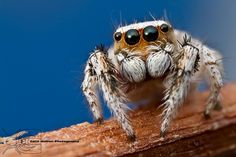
44, 45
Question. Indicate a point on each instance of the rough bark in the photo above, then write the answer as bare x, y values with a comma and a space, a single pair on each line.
190, 133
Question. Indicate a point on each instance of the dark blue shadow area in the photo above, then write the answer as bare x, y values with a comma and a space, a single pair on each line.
44, 45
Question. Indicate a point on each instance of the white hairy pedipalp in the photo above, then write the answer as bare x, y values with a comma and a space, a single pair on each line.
133, 68
158, 62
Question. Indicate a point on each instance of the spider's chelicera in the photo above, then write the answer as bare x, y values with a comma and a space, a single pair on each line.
149, 58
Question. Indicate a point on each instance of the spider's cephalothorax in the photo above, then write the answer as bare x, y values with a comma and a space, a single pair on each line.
145, 58
142, 48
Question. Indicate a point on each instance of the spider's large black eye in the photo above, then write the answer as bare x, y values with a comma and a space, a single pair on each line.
132, 37
117, 36
164, 28
150, 33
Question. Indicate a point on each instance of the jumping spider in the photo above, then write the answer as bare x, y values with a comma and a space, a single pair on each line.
147, 52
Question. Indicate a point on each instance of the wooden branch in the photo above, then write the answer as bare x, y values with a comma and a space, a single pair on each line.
190, 133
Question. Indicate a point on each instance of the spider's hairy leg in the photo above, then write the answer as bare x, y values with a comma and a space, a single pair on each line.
179, 82
214, 68
89, 87
159, 60
108, 81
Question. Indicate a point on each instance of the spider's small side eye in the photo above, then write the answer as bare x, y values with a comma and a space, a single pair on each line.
150, 33
117, 36
164, 28
132, 37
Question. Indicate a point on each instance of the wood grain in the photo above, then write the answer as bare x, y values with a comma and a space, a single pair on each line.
190, 133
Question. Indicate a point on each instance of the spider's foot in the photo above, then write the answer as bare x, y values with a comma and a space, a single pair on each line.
218, 106
132, 137
99, 121
207, 114
212, 106
163, 133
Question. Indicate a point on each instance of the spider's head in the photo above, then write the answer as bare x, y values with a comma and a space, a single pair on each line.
138, 37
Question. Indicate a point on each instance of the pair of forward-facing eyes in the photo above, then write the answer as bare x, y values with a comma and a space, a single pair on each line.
150, 34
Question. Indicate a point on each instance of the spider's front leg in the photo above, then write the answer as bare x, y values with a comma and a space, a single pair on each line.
89, 87
178, 82
100, 71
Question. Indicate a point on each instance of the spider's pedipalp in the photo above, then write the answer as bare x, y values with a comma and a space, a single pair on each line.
159, 60
133, 68
106, 77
